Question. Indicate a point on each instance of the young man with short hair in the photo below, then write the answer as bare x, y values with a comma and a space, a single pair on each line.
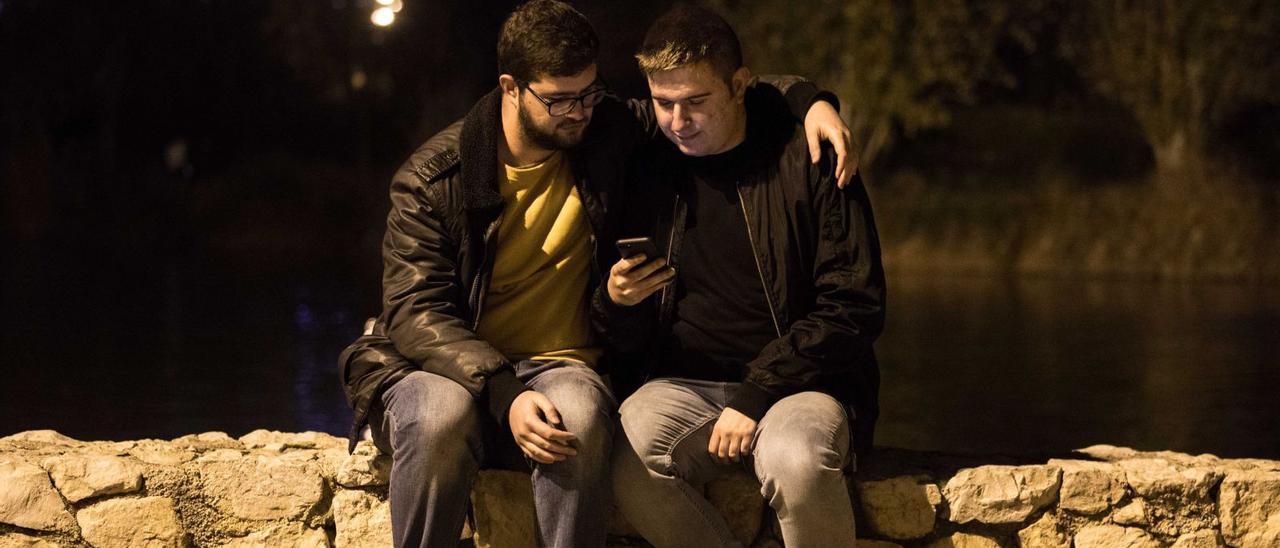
491, 251
758, 349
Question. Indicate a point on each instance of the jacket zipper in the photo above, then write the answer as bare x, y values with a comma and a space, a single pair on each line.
754, 255
475, 286
671, 239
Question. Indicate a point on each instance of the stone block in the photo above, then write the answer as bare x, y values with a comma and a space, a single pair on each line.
1134, 513
1001, 494
1248, 502
81, 477
1089, 487
1044, 533
28, 499
1153, 478
362, 520
294, 535
964, 540
149, 522
259, 439
1205, 538
900, 508
263, 488
20, 540
502, 502
1114, 536
365, 467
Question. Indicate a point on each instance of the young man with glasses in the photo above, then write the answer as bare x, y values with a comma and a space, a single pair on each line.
499, 229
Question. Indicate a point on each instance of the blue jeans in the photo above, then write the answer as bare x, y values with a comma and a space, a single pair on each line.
799, 453
439, 437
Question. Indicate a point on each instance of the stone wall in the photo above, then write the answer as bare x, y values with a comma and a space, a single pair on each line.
284, 489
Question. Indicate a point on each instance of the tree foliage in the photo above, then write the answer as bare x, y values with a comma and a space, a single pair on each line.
901, 66
1179, 66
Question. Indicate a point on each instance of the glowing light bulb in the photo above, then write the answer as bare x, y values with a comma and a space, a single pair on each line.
383, 17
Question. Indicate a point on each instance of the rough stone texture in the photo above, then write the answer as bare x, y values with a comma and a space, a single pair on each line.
1205, 538
503, 505
1266, 537
738, 500
295, 535
161, 453
49, 437
1113, 536
131, 522
279, 441
28, 499
283, 489
1154, 478
1249, 502
361, 520
81, 477
901, 508
264, 488
1044, 533
964, 540
1089, 487
364, 468
20, 540
1134, 513
1001, 494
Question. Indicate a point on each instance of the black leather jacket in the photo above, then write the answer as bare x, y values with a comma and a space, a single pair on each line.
817, 254
440, 242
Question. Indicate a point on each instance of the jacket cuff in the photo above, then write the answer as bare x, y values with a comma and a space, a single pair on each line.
752, 401
503, 387
802, 95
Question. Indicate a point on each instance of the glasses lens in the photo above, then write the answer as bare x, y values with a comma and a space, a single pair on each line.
561, 107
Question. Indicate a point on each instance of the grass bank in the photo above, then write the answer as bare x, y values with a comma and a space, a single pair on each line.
1162, 227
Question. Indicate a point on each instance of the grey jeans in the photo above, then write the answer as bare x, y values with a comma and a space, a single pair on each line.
439, 437
799, 453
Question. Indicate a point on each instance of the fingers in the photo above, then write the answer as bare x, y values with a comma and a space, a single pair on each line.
536, 453
625, 265
815, 144
548, 409
842, 152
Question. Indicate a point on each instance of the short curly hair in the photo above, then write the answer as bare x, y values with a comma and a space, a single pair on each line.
546, 38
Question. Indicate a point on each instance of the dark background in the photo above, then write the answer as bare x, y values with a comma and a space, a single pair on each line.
1078, 252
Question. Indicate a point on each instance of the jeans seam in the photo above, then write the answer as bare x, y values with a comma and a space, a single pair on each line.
667, 455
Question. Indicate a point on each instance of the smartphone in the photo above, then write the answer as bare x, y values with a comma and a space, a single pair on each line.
630, 247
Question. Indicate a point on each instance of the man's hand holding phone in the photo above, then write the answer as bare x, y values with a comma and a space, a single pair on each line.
639, 274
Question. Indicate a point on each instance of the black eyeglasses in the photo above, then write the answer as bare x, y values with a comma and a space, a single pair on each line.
564, 105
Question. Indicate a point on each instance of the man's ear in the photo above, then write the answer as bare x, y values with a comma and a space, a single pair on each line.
510, 87
741, 78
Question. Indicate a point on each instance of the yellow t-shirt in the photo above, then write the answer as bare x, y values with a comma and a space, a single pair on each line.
537, 306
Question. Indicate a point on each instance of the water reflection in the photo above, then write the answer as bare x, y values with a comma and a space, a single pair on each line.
1006, 365
114, 345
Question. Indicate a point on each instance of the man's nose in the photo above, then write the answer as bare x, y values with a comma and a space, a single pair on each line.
679, 118
578, 112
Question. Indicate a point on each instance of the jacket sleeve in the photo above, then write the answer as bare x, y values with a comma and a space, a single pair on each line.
848, 312
422, 297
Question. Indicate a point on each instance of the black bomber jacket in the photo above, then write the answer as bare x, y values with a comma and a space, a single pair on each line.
818, 258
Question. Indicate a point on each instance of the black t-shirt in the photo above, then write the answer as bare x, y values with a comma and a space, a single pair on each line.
722, 318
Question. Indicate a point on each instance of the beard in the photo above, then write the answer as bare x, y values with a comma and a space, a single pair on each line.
550, 140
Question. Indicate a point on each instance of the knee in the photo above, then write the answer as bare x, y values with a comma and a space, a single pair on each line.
798, 466
586, 409
431, 411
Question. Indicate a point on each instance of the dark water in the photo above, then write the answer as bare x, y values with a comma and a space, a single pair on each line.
115, 345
